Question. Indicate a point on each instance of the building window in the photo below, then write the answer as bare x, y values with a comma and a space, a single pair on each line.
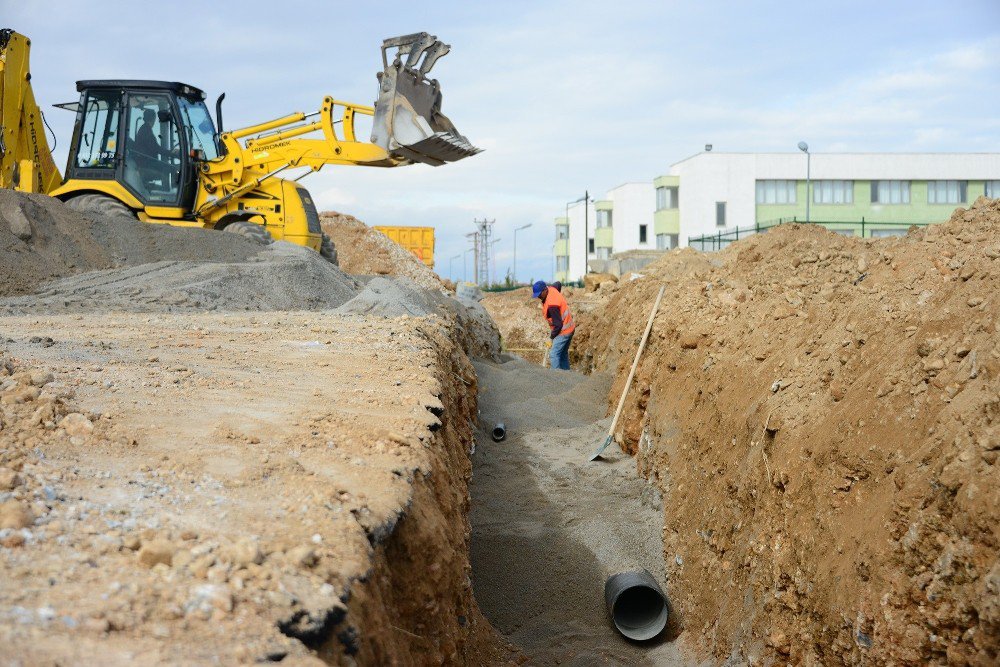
775, 192
833, 192
562, 263
993, 189
604, 218
603, 253
666, 197
590, 246
890, 192
642, 234
667, 241
562, 232
947, 192
720, 214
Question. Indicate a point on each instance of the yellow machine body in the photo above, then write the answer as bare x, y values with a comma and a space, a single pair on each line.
418, 240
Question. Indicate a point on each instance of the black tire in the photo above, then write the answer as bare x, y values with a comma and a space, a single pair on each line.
249, 230
101, 206
328, 250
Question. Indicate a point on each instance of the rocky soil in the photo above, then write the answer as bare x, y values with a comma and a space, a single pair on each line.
822, 414
365, 251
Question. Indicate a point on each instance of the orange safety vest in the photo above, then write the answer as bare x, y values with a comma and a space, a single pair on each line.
555, 298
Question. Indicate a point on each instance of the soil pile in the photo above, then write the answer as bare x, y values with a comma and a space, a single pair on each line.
364, 251
280, 276
823, 416
42, 239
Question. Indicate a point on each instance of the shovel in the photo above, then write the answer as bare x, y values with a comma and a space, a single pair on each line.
631, 374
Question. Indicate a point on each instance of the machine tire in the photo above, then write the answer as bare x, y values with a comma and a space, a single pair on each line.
250, 230
328, 250
101, 206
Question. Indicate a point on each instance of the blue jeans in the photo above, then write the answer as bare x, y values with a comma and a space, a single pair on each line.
559, 354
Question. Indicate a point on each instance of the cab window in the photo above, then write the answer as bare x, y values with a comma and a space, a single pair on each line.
152, 151
99, 130
200, 128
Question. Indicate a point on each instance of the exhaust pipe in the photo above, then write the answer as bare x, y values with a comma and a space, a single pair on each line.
637, 604
499, 432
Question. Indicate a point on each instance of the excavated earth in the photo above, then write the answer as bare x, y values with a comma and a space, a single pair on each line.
822, 416
186, 482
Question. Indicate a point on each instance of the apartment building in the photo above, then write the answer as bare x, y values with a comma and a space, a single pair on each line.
712, 192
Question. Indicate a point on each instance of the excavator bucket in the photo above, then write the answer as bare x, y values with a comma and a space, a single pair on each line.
408, 121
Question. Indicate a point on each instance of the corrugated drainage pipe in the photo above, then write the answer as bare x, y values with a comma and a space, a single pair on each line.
499, 432
636, 604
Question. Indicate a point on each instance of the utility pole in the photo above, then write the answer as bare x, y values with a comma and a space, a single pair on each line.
482, 239
474, 239
451, 276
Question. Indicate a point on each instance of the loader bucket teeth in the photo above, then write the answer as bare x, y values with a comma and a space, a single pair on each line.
408, 121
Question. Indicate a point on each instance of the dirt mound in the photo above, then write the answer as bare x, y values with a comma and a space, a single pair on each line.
41, 239
281, 276
363, 251
823, 416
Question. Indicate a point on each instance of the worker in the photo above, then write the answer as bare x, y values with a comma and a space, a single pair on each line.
557, 285
145, 141
556, 312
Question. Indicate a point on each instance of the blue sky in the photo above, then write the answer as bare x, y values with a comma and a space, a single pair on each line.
564, 96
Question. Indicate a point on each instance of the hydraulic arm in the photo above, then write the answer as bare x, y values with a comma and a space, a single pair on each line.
25, 159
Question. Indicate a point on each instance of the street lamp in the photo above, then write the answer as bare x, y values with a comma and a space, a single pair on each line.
451, 276
804, 147
515, 248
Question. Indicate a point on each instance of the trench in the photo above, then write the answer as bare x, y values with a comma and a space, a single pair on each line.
548, 527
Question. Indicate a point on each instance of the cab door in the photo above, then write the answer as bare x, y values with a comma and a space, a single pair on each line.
96, 141
152, 157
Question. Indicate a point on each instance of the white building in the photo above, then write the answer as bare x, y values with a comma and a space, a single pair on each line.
623, 220
869, 194
569, 248
714, 194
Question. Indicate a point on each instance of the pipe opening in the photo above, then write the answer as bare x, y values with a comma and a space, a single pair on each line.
637, 605
499, 432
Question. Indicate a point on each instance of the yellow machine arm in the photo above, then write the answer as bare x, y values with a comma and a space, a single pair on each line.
26, 162
407, 127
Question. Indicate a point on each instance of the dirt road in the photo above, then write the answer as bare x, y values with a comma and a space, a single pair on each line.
548, 527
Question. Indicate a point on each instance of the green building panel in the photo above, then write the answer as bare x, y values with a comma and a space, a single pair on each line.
666, 181
603, 237
604, 205
667, 221
876, 215
562, 247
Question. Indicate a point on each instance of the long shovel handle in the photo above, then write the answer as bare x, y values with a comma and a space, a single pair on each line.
631, 374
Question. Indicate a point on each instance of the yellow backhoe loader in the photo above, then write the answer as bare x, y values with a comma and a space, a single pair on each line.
149, 150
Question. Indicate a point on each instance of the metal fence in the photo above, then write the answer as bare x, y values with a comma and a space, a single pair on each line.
862, 228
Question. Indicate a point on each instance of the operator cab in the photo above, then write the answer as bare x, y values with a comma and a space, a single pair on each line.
146, 135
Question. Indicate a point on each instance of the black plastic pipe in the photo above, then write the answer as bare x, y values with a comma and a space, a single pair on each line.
637, 604
499, 432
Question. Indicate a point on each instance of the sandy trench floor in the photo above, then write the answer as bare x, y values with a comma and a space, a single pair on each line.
548, 527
